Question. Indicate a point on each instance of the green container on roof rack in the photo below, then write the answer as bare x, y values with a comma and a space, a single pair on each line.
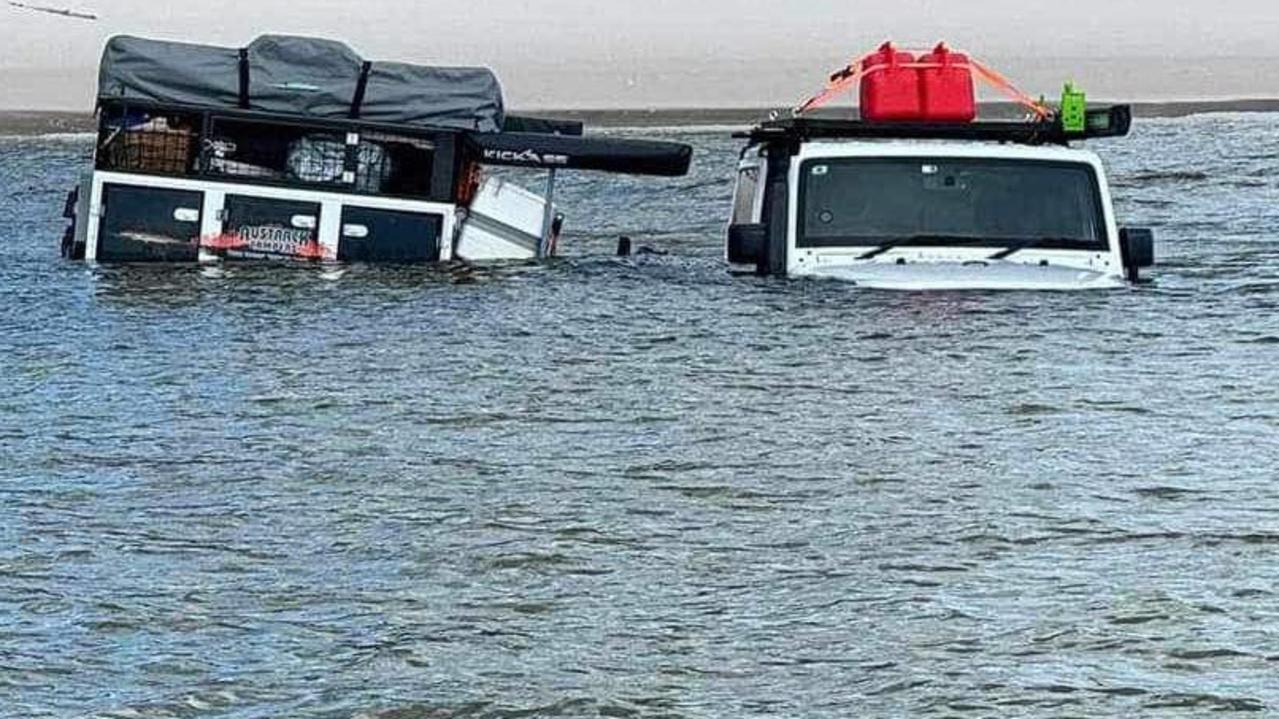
1074, 109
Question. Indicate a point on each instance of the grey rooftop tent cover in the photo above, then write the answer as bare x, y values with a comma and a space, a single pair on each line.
300, 76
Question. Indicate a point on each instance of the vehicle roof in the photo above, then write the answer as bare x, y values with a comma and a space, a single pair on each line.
945, 148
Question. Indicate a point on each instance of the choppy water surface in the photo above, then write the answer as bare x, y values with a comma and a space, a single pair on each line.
642, 488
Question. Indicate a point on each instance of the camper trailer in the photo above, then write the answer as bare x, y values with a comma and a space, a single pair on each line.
297, 148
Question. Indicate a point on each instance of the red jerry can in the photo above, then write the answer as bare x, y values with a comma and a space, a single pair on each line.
890, 89
947, 87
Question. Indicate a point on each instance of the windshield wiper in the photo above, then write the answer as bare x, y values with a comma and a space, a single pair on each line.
1016, 247
939, 240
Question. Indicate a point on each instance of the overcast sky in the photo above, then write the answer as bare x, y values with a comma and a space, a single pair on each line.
684, 52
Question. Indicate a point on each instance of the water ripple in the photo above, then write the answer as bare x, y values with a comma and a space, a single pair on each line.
641, 487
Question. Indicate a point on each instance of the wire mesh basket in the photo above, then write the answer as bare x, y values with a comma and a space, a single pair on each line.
323, 159
154, 148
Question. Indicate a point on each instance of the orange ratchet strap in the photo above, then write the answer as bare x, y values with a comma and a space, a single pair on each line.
1002, 84
840, 81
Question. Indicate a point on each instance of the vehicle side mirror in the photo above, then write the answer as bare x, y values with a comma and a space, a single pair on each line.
747, 243
1137, 245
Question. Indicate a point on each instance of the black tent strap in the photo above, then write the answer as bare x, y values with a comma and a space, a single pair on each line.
632, 157
244, 78
361, 87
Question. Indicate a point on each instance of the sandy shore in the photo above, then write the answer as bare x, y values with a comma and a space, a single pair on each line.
749, 116
34, 122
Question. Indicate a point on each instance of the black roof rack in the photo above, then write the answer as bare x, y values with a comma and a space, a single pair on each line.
539, 143
1113, 121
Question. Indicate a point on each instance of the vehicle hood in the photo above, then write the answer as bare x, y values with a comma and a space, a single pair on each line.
984, 275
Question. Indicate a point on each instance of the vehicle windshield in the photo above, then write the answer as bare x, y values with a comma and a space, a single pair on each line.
943, 201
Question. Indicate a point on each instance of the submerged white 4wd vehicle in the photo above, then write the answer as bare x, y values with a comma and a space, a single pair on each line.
1002, 206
